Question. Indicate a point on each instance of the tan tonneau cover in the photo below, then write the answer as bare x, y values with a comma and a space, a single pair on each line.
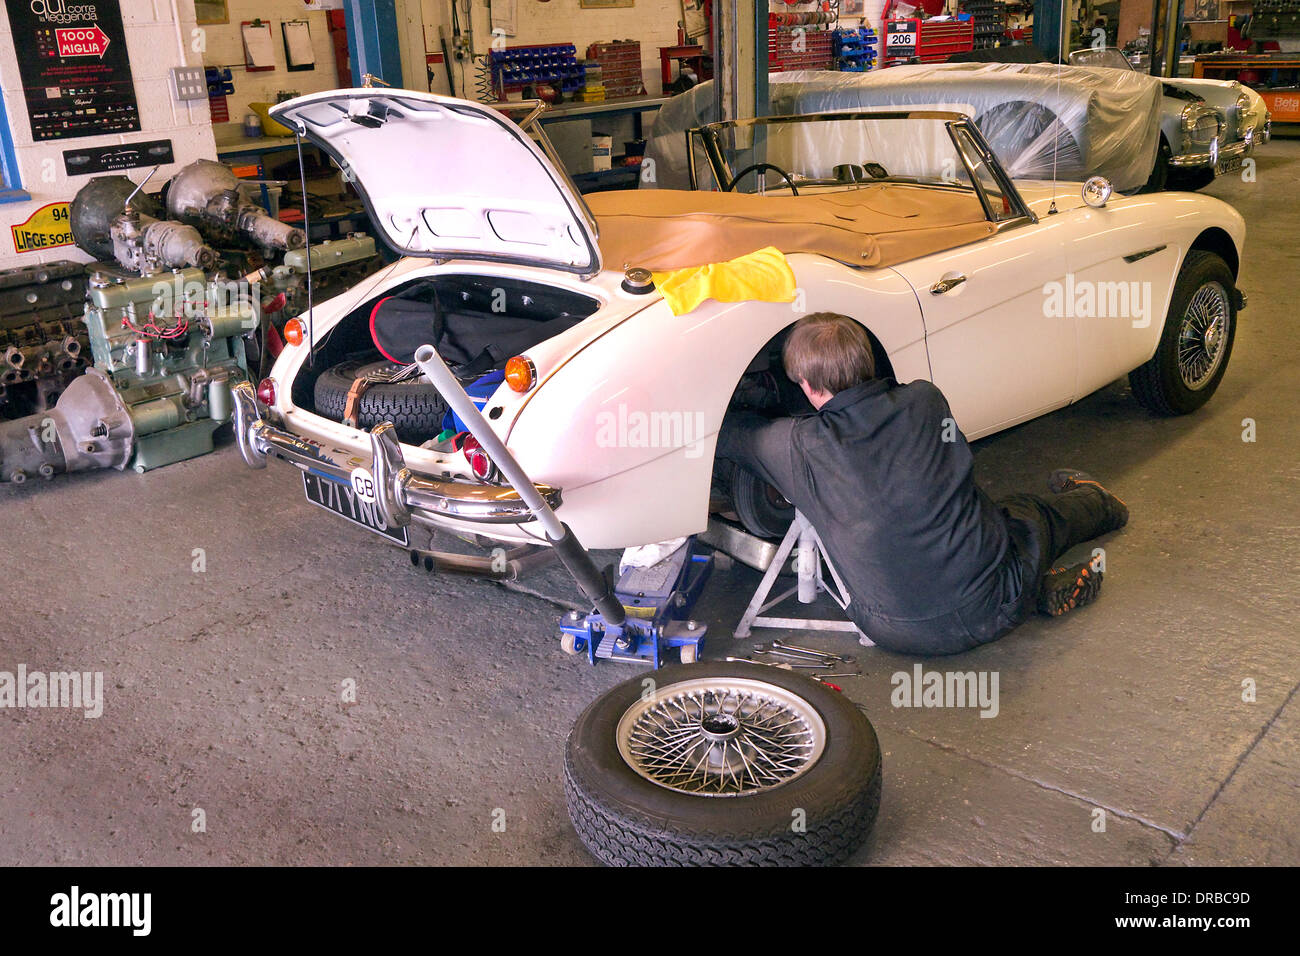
874, 225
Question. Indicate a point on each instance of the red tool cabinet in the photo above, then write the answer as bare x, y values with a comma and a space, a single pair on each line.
927, 41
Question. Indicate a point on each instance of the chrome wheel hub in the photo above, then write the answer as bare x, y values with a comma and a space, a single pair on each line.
1202, 335
721, 737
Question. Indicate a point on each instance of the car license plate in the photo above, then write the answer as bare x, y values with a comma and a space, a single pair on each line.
342, 500
1229, 165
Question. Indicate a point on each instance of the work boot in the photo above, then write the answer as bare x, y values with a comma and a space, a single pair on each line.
1068, 479
1065, 589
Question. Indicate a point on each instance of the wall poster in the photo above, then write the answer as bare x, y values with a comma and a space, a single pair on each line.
75, 71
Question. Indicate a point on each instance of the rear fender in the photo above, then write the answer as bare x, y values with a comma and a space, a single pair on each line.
628, 425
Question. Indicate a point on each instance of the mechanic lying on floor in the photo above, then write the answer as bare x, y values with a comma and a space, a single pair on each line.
931, 564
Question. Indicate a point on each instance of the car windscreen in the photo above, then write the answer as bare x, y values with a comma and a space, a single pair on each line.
830, 152
1109, 57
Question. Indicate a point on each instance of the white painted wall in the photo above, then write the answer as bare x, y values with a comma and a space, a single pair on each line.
225, 47
157, 39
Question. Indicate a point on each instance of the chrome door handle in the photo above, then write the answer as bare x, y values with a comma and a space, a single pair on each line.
947, 285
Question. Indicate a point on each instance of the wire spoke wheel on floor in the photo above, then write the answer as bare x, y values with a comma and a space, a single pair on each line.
721, 738
722, 763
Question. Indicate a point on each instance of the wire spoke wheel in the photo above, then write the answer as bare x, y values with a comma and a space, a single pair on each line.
1202, 335
721, 737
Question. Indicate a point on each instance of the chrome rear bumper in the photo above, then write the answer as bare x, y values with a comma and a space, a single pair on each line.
401, 495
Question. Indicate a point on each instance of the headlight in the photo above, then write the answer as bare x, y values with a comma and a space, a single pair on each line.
1190, 114
1243, 106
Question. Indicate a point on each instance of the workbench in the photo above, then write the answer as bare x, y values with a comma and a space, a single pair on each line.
233, 149
255, 149
632, 106
1283, 101
571, 132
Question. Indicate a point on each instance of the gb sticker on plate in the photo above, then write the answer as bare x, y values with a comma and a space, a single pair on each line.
363, 483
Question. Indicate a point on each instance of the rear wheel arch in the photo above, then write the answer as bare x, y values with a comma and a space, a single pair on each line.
883, 366
689, 471
753, 500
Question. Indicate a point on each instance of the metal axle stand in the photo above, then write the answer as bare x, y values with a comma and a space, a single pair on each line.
811, 563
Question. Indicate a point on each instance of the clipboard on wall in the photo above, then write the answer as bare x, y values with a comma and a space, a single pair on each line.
299, 54
259, 53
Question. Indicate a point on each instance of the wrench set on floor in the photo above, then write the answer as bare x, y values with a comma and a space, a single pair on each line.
792, 656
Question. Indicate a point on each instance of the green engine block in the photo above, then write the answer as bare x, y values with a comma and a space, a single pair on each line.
175, 388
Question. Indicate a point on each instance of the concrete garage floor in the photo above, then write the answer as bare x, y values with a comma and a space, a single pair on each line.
223, 687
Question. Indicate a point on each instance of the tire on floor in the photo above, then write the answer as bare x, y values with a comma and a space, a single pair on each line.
817, 816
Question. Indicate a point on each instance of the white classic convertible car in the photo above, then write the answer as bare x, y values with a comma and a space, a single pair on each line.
1016, 298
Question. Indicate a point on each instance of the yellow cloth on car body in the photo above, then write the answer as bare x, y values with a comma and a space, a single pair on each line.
761, 276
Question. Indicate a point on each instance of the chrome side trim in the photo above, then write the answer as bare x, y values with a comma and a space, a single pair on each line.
1139, 256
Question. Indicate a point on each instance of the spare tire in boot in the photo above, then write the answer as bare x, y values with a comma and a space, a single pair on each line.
414, 407
725, 763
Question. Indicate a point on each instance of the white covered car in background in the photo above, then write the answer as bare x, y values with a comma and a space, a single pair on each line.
1042, 121
1015, 298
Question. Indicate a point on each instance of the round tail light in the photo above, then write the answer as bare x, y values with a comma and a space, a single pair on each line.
266, 392
479, 462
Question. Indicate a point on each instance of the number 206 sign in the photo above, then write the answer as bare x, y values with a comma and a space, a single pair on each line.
900, 40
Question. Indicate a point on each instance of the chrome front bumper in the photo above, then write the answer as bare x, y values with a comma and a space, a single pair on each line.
1232, 151
401, 495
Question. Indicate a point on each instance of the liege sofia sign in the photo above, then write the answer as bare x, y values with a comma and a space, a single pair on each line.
46, 228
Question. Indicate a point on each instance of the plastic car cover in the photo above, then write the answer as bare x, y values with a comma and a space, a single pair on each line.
1079, 121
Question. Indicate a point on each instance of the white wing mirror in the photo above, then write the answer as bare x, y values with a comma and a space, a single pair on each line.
1097, 190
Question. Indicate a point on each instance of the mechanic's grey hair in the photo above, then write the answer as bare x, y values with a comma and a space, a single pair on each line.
830, 352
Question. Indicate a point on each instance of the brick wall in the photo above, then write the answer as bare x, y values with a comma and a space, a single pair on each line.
153, 39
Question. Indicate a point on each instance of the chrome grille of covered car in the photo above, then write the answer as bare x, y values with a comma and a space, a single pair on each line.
1204, 128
